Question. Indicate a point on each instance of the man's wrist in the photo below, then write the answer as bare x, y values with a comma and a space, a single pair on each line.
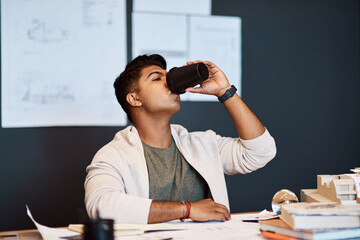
222, 91
186, 210
227, 94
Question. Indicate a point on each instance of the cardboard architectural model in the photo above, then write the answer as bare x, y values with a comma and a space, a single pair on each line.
343, 188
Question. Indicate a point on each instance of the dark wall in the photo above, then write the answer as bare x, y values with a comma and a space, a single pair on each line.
300, 66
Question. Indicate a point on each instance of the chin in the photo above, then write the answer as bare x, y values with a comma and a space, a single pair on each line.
177, 108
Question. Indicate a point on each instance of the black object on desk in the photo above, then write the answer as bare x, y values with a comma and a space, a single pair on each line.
99, 229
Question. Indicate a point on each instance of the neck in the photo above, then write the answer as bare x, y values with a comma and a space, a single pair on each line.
154, 131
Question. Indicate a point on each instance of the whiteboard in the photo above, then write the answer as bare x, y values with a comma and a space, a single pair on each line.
59, 62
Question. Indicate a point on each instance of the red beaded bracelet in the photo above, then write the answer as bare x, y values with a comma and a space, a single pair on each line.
187, 211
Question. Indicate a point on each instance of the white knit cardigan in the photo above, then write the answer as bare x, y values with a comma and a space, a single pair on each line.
117, 182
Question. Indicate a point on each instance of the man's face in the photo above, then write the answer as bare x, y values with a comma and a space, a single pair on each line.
155, 94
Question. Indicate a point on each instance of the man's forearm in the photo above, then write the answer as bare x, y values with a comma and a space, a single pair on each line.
247, 124
163, 211
203, 210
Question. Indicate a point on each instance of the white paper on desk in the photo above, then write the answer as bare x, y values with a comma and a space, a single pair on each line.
263, 215
123, 229
173, 6
233, 229
48, 233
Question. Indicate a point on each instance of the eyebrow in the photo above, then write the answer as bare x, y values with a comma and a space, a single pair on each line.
155, 73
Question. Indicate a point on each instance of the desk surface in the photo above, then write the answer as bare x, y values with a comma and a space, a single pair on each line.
34, 234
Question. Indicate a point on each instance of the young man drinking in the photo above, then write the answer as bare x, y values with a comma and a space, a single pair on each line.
154, 171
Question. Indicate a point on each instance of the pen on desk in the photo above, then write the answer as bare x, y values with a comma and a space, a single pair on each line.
250, 220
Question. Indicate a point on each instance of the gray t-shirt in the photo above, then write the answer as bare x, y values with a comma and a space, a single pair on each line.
171, 178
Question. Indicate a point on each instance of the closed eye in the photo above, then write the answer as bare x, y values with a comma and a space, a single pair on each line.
156, 74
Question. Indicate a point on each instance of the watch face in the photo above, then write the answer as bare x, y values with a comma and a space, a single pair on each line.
228, 94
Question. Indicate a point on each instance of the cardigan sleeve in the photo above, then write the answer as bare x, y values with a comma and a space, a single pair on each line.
244, 156
105, 190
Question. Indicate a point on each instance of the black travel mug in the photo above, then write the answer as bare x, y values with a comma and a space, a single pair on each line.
180, 78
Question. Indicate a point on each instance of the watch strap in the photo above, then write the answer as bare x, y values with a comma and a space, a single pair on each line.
228, 94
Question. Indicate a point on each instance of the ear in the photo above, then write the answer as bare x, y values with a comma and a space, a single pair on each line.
133, 99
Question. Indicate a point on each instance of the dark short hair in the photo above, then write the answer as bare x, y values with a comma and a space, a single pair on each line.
128, 80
